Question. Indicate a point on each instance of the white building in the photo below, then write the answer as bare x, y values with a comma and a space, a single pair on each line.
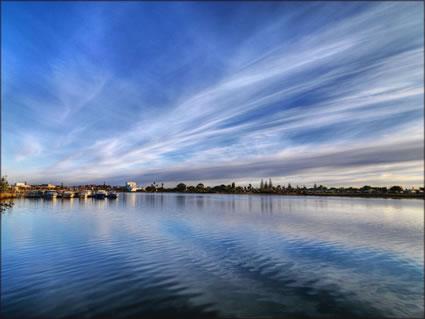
48, 185
131, 186
21, 184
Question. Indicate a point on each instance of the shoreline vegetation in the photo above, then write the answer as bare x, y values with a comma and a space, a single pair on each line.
395, 196
265, 188
5, 196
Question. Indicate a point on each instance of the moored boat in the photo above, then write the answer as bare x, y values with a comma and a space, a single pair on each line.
83, 194
68, 194
50, 195
100, 194
112, 194
35, 194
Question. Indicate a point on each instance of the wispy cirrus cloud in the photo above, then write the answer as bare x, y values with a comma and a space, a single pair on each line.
347, 94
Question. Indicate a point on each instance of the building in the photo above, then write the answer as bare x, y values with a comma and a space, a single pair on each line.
48, 185
131, 186
22, 185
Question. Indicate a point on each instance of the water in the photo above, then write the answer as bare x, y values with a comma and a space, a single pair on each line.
198, 255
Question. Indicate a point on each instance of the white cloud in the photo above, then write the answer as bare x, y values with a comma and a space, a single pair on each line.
106, 128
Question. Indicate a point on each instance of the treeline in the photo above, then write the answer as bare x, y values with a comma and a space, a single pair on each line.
267, 187
4, 188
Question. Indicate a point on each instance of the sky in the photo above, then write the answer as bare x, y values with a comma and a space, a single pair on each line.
215, 92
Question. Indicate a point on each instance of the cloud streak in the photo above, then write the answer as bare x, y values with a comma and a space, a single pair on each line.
347, 94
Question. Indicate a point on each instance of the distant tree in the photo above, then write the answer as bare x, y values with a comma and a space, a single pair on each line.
220, 189
315, 186
261, 184
233, 185
200, 187
5, 205
216, 189
270, 183
289, 187
265, 185
181, 187
396, 189
249, 187
191, 189
4, 185
151, 188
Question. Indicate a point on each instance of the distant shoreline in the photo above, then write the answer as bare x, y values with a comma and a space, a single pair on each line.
393, 196
8, 195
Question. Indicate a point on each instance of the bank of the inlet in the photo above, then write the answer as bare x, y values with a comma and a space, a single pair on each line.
266, 187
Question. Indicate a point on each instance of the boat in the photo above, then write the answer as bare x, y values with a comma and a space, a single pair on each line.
35, 194
83, 194
67, 194
112, 194
90, 193
100, 194
50, 195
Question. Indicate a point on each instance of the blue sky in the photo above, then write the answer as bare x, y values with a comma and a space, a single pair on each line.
328, 93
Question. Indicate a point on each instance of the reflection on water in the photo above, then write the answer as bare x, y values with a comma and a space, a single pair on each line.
196, 255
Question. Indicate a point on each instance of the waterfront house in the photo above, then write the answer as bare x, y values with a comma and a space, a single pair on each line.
131, 186
22, 186
47, 186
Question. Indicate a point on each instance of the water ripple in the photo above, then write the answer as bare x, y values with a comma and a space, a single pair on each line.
213, 255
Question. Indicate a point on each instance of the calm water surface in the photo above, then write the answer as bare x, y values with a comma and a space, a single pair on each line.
213, 255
